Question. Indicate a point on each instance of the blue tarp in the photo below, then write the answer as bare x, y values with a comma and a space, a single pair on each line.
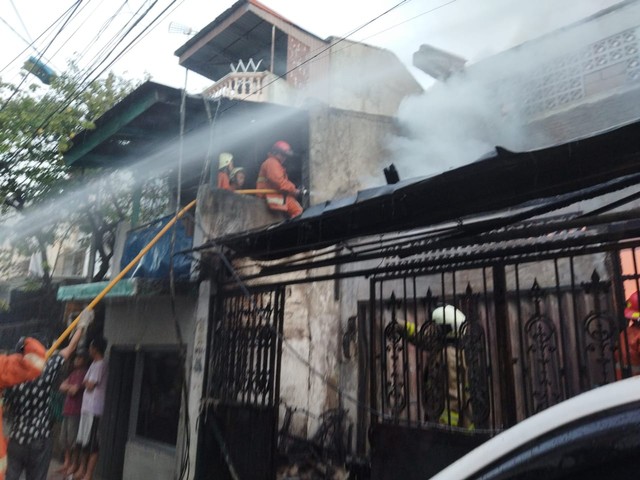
155, 263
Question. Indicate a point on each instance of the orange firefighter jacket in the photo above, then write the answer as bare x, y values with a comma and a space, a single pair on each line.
15, 369
633, 360
223, 180
273, 176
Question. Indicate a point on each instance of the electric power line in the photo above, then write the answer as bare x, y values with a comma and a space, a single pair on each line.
31, 44
15, 91
20, 20
324, 49
88, 80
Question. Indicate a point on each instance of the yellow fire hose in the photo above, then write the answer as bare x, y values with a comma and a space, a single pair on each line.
119, 277
133, 262
256, 191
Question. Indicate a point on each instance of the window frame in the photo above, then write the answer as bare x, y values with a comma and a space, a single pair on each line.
133, 435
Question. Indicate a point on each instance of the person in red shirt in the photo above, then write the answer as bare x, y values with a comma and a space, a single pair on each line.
225, 165
20, 367
73, 388
273, 176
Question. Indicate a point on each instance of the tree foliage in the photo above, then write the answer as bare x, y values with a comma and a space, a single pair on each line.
38, 124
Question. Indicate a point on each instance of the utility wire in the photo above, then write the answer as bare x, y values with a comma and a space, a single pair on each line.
145, 32
401, 23
88, 82
84, 84
20, 20
100, 31
15, 91
294, 351
28, 42
31, 44
329, 47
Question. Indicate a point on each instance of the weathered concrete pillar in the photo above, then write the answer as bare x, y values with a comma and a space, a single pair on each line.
197, 371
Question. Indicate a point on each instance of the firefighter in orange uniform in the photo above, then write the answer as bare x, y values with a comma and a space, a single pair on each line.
225, 165
14, 369
273, 176
631, 313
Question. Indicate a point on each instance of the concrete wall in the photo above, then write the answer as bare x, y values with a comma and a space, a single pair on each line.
309, 362
148, 322
347, 152
221, 212
573, 83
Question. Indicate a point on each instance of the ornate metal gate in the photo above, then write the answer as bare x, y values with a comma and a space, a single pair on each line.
243, 388
526, 335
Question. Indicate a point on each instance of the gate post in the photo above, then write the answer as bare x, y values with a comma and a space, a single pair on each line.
506, 381
198, 371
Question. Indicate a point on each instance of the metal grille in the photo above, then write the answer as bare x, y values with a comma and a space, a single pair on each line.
246, 348
526, 336
566, 79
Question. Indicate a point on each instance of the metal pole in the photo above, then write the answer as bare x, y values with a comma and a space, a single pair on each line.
505, 358
273, 46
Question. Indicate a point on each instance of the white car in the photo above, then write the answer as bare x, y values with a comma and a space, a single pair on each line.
595, 435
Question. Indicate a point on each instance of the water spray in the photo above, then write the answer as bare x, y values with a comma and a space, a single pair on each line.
119, 277
133, 262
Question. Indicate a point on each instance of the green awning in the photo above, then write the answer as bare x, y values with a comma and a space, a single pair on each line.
128, 287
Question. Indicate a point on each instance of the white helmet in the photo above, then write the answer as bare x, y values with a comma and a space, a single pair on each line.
448, 315
224, 160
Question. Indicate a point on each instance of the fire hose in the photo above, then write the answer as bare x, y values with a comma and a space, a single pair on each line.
133, 262
119, 277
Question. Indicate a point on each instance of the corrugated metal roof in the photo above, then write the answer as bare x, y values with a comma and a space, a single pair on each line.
504, 180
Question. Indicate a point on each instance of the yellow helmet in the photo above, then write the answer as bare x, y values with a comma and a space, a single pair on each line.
224, 160
450, 316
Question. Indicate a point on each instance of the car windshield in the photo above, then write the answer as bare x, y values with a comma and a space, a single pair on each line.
601, 446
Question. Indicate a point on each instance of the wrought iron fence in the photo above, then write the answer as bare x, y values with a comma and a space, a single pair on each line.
246, 349
519, 338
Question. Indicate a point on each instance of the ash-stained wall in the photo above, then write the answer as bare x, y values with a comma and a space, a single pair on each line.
347, 152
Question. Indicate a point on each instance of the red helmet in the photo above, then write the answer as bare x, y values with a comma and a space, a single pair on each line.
283, 148
632, 312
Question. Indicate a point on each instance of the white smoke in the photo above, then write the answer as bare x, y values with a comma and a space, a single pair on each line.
457, 122
451, 125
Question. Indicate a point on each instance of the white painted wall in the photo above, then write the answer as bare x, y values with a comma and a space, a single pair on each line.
148, 322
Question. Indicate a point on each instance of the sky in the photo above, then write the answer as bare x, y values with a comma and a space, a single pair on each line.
472, 29
461, 125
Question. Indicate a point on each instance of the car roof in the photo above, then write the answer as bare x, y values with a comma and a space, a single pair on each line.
597, 400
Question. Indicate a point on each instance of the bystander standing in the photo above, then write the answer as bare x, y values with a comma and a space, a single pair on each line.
95, 384
73, 389
30, 444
